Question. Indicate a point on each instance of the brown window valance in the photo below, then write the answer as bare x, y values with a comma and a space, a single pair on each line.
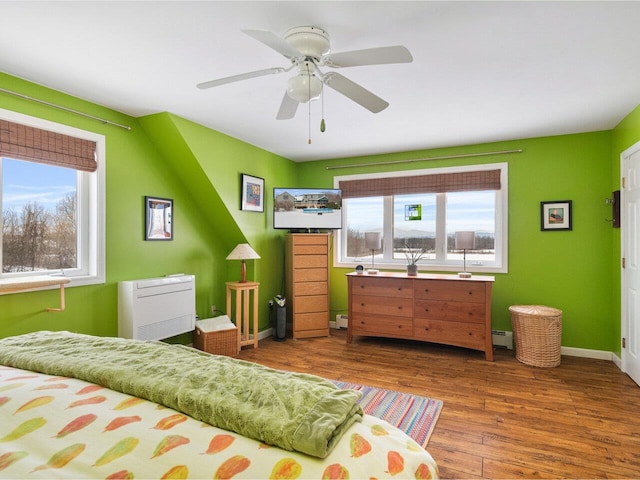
23, 142
435, 183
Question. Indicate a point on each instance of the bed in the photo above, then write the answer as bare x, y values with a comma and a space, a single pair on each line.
78, 406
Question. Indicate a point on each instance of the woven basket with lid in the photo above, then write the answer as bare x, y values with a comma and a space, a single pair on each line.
537, 332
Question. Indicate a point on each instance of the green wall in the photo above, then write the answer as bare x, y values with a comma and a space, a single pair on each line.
569, 270
165, 155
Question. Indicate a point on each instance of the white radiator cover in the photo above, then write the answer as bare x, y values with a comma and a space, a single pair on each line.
156, 308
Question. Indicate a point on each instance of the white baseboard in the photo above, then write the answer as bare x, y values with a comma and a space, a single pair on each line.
587, 353
617, 361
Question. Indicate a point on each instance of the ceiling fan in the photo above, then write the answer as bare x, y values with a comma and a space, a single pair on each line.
308, 49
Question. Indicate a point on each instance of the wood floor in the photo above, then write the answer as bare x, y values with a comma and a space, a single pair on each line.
501, 419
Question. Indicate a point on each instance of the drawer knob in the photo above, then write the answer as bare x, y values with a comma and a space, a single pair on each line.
426, 309
400, 307
426, 290
362, 304
399, 289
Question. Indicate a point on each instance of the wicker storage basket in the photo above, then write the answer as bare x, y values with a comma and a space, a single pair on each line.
218, 342
537, 331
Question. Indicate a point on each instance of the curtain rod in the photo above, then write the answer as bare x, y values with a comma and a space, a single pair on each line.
69, 110
444, 157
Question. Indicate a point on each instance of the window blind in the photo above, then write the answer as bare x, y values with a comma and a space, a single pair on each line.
436, 183
23, 142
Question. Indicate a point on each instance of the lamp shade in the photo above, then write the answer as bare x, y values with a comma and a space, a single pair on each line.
373, 240
465, 240
243, 251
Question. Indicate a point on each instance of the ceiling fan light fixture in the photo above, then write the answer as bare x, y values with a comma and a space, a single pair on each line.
304, 87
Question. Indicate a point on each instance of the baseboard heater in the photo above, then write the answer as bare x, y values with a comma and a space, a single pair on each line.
341, 321
501, 338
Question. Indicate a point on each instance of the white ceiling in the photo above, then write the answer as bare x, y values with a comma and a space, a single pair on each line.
482, 71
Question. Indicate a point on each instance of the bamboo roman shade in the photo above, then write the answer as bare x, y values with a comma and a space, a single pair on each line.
23, 142
436, 183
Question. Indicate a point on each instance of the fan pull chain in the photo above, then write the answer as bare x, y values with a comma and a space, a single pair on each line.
322, 124
309, 103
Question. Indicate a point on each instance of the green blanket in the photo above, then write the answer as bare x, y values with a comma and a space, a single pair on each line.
293, 411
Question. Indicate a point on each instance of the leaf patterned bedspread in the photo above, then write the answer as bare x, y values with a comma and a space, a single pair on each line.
59, 427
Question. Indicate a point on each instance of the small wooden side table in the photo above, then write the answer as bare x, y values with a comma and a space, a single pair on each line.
242, 313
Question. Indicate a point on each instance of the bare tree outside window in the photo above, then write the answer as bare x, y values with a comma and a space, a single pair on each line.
37, 239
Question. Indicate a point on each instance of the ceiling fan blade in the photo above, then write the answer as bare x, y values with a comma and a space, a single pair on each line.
275, 42
355, 92
288, 108
369, 56
237, 78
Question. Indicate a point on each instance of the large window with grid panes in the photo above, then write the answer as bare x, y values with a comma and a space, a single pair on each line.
418, 212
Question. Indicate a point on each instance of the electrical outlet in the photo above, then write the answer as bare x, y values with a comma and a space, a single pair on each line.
213, 310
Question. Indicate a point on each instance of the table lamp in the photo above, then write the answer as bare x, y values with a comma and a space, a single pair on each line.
465, 241
243, 251
372, 241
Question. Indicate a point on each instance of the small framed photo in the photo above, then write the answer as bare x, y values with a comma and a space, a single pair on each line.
158, 218
252, 193
555, 215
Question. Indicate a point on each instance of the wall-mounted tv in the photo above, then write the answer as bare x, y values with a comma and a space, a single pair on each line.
309, 209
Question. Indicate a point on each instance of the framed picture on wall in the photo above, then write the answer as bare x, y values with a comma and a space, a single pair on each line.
252, 194
555, 215
158, 218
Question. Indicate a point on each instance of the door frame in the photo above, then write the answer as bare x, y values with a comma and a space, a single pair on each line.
624, 318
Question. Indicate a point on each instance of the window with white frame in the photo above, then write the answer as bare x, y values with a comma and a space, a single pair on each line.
52, 198
420, 211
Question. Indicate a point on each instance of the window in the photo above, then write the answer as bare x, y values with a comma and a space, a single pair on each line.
422, 210
52, 199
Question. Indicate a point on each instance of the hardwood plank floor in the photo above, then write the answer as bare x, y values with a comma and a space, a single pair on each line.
501, 419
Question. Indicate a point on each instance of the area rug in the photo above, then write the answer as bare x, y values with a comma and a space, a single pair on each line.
414, 415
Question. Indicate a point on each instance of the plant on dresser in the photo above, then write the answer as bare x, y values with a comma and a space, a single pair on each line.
432, 308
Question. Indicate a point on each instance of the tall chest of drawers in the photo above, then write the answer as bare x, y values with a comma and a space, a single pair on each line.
307, 284
432, 308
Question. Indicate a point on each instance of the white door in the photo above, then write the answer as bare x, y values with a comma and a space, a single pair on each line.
630, 237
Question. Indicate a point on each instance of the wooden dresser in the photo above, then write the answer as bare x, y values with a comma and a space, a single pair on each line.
307, 284
431, 308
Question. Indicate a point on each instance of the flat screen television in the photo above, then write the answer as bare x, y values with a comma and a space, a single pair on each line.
307, 209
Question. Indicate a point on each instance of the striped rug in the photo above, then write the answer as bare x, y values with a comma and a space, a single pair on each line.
414, 415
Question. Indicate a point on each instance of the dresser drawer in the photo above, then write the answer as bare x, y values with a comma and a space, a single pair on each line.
310, 250
450, 311
450, 290
310, 275
395, 306
307, 239
381, 326
310, 288
312, 321
311, 261
469, 335
384, 287
311, 303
